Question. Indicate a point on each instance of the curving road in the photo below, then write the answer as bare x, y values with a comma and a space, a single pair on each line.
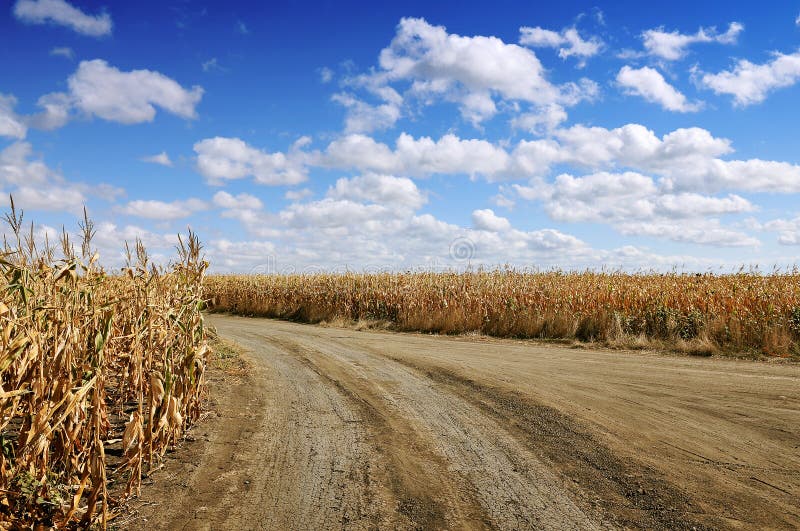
342, 429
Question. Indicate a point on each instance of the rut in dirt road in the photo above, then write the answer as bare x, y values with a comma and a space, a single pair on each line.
435, 459
338, 429
448, 446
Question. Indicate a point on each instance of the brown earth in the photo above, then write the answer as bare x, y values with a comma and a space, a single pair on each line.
332, 428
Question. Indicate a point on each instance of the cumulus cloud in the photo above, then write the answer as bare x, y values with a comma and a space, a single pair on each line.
299, 194
639, 183
36, 186
162, 210
161, 158
673, 45
363, 117
110, 239
11, 125
615, 197
99, 89
650, 84
397, 192
62, 13
788, 229
476, 73
418, 157
53, 198
220, 159
710, 232
55, 111
17, 168
568, 41
487, 220
342, 233
334, 213
636, 205
686, 160
241, 201
750, 83
543, 121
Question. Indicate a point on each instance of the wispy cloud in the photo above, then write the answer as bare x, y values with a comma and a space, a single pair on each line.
63, 51
62, 13
162, 159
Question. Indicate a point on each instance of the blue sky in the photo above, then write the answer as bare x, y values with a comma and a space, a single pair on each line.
336, 135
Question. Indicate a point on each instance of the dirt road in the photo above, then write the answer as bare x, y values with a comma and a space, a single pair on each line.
341, 429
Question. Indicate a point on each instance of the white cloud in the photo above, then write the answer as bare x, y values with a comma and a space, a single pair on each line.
211, 65
241, 201
709, 232
686, 205
630, 146
162, 210
52, 198
36, 186
63, 51
797, 21
750, 83
363, 117
11, 125
476, 72
397, 192
788, 229
426, 52
650, 84
129, 97
503, 201
55, 111
110, 239
162, 159
568, 41
98, 89
685, 160
420, 157
634, 204
673, 45
220, 159
543, 121
298, 195
334, 213
789, 238
62, 13
325, 74
16, 168
487, 220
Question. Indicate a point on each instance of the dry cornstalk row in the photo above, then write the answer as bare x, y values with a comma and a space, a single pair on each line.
99, 374
706, 313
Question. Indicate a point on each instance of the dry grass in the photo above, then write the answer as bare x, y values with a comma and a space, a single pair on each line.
99, 375
698, 314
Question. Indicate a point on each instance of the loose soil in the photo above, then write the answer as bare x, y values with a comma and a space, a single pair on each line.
331, 428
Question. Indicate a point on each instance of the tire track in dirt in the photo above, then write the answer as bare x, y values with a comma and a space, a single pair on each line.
337, 429
313, 461
471, 454
289, 452
416, 476
633, 495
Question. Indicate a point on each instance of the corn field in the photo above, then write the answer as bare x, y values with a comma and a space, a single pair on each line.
100, 374
736, 313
